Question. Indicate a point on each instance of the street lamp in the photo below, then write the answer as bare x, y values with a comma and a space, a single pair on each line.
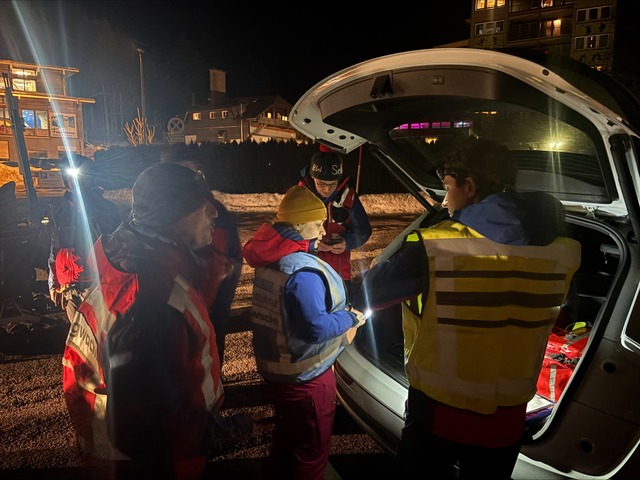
143, 112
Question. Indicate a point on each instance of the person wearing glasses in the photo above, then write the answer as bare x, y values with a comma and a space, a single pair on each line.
479, 292
347, 225
141, 370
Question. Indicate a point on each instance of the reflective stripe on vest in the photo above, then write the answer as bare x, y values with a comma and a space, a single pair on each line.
280, 355
82, 371
480, 338
182, 298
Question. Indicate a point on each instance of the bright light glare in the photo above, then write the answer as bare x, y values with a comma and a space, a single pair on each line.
72, 171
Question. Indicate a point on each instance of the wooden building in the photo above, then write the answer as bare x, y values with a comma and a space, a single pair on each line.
53, 120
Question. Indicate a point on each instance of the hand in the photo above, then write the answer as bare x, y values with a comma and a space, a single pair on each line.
322, 246
56, 296
359, 316
337, 248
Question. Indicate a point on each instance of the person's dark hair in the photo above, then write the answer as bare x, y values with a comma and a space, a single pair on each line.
490, 164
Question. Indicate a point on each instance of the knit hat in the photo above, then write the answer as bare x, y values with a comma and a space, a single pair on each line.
165, 193
326, 165
300, 205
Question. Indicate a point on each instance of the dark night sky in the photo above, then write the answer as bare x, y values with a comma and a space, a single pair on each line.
265, 49
270, 49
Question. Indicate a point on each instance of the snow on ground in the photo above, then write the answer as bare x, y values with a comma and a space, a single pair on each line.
374, 204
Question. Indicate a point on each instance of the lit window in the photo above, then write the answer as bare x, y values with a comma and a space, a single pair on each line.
225, 113
23, 72
212, 115
42, 119
24, 85
486, 4
196, 116
552, 28
29, 118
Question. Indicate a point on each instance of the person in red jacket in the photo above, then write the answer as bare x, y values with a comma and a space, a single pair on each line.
347, 224
141, 370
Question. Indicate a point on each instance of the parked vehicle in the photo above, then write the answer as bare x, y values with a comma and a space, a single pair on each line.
574, 132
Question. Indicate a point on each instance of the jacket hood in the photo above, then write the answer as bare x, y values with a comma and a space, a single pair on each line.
531, 218
271, 242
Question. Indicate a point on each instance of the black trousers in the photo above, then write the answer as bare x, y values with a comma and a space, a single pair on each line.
424, 455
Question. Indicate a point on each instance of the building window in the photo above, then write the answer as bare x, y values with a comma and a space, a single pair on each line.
225, 113
196, 116
552, 28
591, 14
592, 41
488, 4
212, 115
4, 150
24, 85
35, 119
488, 28
522, 31
24, 79
5, 122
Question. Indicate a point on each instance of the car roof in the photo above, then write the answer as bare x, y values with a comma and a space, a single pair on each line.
392, 98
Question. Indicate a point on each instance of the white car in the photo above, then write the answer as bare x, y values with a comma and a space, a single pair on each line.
575, 134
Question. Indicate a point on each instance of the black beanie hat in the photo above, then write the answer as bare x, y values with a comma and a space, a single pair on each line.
165, 193
326, 165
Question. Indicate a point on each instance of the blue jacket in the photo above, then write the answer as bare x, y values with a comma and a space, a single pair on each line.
298, 306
